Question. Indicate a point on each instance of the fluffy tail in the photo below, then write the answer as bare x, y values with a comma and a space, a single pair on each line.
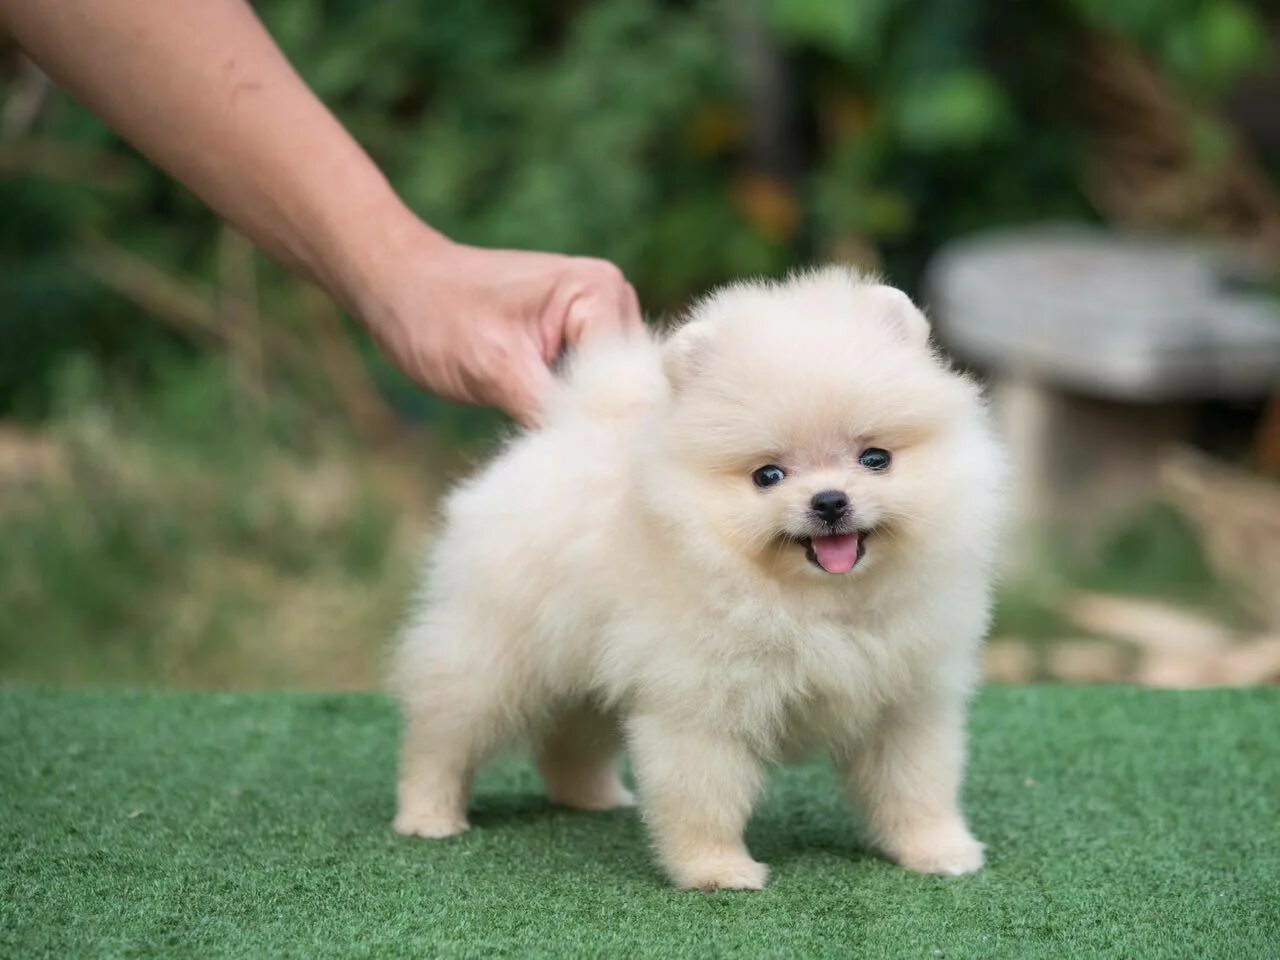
610, 377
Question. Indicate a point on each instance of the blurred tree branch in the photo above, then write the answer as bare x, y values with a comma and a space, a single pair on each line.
217, 321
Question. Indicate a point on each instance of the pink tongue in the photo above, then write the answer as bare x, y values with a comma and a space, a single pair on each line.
837, 554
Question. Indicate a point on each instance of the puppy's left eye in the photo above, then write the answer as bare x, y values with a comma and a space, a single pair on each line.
873, 458
768, 476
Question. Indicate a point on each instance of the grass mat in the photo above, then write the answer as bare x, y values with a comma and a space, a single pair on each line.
1119, 822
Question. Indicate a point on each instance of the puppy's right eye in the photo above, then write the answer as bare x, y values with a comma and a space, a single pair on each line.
768, 476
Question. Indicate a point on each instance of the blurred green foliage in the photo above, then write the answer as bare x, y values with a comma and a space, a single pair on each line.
187, 536
625, 129
186, 552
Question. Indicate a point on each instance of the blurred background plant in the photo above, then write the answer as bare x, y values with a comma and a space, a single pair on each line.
208, 477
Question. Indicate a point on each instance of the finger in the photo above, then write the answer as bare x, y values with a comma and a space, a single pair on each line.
591, 315
554, 322
551, 331
590, 309
631, 314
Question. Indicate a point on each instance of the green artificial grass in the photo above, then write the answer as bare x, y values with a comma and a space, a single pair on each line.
1119, 822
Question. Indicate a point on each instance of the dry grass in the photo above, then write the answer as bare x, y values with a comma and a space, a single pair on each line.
181, 547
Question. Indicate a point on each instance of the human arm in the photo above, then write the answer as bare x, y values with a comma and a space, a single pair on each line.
201, 89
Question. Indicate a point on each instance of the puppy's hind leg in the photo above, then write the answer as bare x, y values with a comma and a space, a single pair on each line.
456, 716
578, 761
437, 762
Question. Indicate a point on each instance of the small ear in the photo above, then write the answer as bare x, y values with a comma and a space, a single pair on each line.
683, 351
894, 308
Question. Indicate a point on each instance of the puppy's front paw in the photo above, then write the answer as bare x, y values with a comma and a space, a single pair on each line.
721, 873
950, 852
434, 826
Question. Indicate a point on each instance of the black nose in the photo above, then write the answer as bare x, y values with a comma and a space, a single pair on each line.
830, 505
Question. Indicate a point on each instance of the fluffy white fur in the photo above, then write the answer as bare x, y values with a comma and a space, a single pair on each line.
617, 578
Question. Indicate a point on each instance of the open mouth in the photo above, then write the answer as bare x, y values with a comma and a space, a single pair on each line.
836, 552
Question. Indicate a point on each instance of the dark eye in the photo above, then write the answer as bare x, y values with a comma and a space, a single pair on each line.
873, 458
768, 476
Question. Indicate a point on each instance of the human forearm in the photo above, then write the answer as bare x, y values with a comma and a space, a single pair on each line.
201, 89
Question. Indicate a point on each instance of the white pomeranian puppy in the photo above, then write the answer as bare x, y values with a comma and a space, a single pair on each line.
770, 532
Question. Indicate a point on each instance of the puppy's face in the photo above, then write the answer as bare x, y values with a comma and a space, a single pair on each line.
813, 432
823, 504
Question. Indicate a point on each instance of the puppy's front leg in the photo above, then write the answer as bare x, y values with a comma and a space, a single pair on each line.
697, 788
906, 778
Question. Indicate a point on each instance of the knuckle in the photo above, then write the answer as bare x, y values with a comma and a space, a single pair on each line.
602, 272
585, 313
498, 357
492, 354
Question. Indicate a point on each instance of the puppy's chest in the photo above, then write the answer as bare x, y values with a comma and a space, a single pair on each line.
821, 681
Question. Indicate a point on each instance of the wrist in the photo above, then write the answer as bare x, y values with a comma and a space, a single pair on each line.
367, 255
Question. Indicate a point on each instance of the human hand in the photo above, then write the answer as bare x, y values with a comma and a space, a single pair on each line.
483, 326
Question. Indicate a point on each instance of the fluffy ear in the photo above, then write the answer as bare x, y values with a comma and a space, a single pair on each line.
683, 351
894, 308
